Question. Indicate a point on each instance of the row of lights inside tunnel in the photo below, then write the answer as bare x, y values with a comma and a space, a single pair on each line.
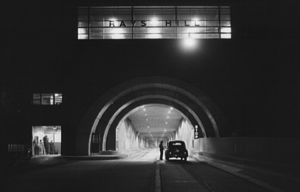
169, 112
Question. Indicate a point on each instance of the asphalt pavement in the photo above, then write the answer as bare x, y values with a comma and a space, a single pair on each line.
276, 180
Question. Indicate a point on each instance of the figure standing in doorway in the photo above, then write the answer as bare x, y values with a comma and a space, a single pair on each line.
36, 147
42, 148
161, 149
52, 148
46, 144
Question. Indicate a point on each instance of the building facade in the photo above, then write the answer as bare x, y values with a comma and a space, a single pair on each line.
63, 59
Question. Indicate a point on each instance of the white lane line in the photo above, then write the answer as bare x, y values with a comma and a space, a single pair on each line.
157, 184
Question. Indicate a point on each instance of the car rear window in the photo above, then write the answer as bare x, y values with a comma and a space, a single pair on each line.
176, 145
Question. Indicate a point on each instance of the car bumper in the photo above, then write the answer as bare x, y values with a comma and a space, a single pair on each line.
176, 155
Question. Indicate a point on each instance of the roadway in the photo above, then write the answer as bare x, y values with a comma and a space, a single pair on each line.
140, 172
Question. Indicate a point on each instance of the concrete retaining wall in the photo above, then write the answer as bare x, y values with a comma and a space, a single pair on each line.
265, 150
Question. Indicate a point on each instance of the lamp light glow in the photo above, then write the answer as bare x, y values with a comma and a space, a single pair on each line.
154, 21
189, 42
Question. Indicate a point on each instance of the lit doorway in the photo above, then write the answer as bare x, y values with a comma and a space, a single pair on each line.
46, 140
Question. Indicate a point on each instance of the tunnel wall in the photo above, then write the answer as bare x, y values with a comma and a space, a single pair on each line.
185, 133
127, 138
243, 150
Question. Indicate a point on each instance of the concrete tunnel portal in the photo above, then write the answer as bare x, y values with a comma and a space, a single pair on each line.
120, 105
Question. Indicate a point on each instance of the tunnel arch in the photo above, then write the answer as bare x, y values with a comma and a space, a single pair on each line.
107, 110
124, 114
190, 115
131, 110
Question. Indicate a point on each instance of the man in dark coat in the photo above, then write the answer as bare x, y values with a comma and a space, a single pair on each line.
161, 148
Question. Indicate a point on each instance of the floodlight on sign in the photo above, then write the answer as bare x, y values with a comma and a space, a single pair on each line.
154, 21
189, 42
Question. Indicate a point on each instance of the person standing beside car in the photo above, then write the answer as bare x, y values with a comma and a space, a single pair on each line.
161, 149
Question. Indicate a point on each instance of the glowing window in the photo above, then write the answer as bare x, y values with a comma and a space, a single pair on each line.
47, 99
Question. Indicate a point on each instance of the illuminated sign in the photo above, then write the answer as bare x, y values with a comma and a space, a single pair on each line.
154, 22
196, 132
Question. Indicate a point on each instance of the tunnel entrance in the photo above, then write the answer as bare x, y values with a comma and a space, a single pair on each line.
145, 126
122, 102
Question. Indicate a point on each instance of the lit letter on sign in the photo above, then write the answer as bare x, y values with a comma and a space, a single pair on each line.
111, 24
168, 23
133, 22
143, 23
122, 24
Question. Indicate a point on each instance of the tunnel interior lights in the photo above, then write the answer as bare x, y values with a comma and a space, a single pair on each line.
151, 136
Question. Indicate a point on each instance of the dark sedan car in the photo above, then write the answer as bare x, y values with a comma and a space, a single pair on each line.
176, 149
